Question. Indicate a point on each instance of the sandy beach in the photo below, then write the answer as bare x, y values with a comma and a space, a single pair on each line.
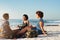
53, 34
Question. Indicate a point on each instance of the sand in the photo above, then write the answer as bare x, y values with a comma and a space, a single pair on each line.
53, 34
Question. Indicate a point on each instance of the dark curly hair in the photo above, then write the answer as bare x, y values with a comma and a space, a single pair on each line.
26, 16
40, 14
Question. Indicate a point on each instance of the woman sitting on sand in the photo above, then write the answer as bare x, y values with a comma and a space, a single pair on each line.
25, 22
40, 24
22, 28
7, 33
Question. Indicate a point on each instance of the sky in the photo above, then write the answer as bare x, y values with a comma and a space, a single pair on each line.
16, 8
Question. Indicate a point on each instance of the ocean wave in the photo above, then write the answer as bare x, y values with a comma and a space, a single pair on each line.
52, 21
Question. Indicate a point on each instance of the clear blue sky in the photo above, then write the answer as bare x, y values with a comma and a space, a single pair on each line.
16, 8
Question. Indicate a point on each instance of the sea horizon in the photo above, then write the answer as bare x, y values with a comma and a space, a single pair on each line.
15, 22
34, 22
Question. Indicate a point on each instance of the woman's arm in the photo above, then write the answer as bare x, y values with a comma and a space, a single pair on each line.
41, 26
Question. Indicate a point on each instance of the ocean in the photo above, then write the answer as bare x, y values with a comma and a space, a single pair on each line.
15, 22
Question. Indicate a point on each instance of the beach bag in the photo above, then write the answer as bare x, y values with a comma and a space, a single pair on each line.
31, 34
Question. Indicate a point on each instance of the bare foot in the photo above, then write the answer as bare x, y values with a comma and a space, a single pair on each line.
45, 34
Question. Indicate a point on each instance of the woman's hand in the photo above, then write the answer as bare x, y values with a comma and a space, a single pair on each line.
43, 31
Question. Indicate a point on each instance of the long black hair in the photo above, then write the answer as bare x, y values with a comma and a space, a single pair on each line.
26, 16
